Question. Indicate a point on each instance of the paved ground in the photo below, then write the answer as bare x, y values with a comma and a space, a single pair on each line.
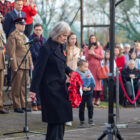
15, 122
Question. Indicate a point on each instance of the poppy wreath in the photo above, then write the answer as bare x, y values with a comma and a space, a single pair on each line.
74, 89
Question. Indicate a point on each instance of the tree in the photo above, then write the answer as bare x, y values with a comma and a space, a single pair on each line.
127, 17
52, 11
129, 20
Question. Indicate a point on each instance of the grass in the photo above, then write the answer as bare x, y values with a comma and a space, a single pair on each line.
105, 104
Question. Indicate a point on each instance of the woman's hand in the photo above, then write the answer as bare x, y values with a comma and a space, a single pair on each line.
32, 67
91, 52
89, 89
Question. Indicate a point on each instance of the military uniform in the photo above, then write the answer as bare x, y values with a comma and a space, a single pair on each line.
16, 52
2, 67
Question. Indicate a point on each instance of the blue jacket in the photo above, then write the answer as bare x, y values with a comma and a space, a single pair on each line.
35, 47
88, 81
9, 24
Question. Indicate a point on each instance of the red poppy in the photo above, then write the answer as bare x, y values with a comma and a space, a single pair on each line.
64, 53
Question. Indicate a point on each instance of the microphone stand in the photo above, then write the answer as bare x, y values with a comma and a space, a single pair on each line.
26, 128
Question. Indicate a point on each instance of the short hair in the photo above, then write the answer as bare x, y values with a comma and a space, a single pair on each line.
81, 62
59, 29
38, 25
127, 45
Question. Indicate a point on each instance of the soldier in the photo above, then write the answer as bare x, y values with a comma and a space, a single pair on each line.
16, 52
2, 65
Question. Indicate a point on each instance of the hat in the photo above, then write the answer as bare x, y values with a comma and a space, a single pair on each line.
20, 21
1, 16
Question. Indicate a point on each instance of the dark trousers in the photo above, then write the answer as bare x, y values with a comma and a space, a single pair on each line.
8, 76
28, 29
105, 89
55, 131
129, 89
86, 99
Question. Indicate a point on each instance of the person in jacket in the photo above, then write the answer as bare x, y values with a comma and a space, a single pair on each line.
131, 73
94, 55
16, 51
9, 24
73, 53
119, 58
106, 62
134, 48
127, 48
34, 49
2, 65
30, 9
88, 85
49, 80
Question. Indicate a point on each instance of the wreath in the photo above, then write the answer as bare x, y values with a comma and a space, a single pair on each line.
75, 89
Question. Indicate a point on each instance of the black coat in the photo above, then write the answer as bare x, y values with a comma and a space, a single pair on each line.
9, 24
49, 80
126, 75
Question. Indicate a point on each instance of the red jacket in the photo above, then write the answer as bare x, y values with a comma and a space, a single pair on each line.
29, 13
120, 62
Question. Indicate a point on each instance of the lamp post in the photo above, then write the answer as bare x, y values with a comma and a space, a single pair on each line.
111, 78
112, 129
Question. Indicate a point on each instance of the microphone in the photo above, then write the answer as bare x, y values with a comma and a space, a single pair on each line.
36, 39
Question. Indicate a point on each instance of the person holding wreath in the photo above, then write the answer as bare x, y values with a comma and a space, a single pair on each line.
49, 80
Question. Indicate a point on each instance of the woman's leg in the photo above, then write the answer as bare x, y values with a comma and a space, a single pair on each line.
98, 97
55, 131
93, 99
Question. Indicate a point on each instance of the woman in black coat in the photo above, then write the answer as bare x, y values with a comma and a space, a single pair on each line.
49, 80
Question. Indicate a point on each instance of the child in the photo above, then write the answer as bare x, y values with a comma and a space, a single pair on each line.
88, 85
106, 62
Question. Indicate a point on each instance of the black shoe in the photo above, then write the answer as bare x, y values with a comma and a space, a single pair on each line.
18, 110
82, 123
3, 111
26, 109
90, 122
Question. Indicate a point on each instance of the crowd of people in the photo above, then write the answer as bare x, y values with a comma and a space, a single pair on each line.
51, 61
